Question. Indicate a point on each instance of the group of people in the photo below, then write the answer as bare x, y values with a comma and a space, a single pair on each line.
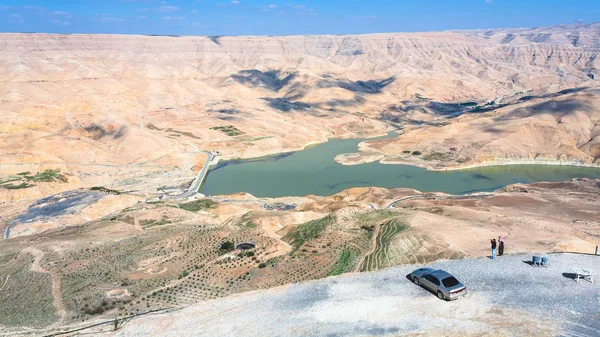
500, 245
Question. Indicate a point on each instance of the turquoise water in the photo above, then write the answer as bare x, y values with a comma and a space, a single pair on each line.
313, 171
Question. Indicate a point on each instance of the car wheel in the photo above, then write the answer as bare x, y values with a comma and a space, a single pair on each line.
440, 295
416, 280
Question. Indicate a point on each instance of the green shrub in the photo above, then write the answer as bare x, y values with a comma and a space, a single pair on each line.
262, 265
16, 187
104, 189
48, 176
227, 246
416, 153
198, 205
308, 231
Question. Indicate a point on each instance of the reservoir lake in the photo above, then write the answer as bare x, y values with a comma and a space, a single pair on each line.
314, 171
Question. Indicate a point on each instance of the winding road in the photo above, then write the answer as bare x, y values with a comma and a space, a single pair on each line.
431, 196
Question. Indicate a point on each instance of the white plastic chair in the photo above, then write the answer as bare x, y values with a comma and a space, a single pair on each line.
584, 274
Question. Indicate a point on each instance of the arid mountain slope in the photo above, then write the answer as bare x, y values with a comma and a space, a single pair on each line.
67, 95
121, 100
561, 127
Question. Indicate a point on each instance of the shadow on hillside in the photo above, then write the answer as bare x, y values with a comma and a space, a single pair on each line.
271, 79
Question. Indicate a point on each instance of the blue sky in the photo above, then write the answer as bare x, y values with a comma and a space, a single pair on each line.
274, 17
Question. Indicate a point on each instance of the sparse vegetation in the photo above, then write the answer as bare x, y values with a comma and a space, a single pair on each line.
441, 156
16, 187
308, 231
345, 263
387, 231
25, 179
229, 130
227, 246
28, 289
416, 153
198, 205
47, 176
106, 190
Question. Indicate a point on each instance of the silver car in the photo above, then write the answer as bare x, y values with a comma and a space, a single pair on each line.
444, 285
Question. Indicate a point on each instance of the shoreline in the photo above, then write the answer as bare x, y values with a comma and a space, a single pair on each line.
366, 158
275, 153
497, 162
515, 162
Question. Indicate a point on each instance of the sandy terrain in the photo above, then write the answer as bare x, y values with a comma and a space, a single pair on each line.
121, 100
557, 130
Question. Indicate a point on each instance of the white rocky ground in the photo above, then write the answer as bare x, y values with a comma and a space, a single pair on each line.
507, 297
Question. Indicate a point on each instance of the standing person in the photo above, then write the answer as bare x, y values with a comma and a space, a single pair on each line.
500, 245
493, 249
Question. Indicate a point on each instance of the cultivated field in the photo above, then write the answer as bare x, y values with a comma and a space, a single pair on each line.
169, 255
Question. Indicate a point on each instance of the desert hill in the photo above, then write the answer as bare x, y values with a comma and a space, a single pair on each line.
558, 128
127, 99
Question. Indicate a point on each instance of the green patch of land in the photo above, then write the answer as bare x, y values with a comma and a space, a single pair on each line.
229, 130
441, 156
198, 205
25, 179
345, 262
174, 133
387, 231
47, 176
106, 190
308, 231
26, 297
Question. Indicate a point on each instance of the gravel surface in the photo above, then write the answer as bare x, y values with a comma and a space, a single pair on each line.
507, 297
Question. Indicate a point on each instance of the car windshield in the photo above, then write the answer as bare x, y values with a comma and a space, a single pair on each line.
450, 282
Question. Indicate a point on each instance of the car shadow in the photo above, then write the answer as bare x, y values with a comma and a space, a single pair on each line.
529, 262
408, 277
572, 276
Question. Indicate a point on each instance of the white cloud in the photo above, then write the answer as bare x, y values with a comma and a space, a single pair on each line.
235, 2
268, 8
298, 10
110, 19
488, 1
173, 18
64, 14
193, 11
35, 8
61, 22
168, 9
4, 7
15, 16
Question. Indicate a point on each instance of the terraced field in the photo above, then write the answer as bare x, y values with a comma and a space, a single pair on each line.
385, 254
412, 248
